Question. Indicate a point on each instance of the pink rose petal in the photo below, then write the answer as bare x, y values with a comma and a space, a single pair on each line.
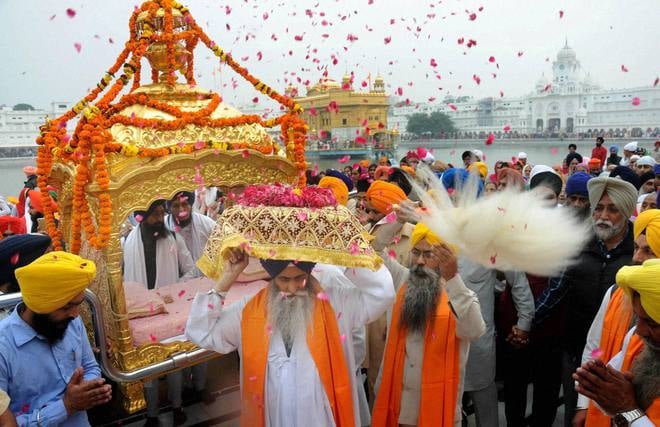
636, 101
596, 353
322, 296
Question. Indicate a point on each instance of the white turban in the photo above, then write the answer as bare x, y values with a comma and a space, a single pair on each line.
631, 146
622, 193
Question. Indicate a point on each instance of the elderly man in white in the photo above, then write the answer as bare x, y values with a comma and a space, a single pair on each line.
288, 380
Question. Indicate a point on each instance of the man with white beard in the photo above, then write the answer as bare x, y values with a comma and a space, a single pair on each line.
583, 285
291, 337
628, 388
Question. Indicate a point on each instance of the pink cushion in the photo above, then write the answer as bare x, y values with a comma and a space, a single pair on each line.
172, 324
141, 302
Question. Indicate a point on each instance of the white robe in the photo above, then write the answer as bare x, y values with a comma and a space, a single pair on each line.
173, 261
359, 337
294, 392
200, 229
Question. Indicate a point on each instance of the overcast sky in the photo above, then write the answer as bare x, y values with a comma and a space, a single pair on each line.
41, 64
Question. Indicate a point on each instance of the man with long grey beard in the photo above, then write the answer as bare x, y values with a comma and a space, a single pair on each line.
434, 318
294, 338
628, 388
582, 287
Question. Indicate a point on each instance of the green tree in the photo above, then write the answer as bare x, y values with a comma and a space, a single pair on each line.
419, 124
441, 123
434, 124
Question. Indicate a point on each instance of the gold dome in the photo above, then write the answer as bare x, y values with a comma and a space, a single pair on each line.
188, 99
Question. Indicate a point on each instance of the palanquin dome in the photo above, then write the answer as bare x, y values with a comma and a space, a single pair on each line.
127, 126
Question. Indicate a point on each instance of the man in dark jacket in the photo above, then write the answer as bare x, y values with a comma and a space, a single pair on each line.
582, 286
614, 158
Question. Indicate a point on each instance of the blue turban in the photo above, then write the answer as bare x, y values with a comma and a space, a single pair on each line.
455, 178
614, 149
275, 266
577, 184
19, 251
336, 174
656, 169
626, 174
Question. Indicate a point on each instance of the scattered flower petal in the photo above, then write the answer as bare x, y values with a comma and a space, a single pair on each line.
70, 13
322, 296
636, 101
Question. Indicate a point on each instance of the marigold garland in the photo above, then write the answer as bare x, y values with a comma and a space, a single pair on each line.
91, 140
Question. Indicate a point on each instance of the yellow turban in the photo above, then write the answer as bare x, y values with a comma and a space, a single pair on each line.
648, 222
337, 187
480, 167
54, 279
382, 195
643, 279
409, 170
422, 232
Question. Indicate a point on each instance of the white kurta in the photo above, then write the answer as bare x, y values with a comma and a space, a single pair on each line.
294, 393
195, 235
593, 339
324, 275
173, 261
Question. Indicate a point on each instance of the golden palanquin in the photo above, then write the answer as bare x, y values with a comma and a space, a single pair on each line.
155, 140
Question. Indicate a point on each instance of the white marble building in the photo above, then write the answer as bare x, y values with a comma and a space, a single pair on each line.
19, 125
570, 103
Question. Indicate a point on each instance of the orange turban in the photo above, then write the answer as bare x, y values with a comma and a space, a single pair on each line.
337, 187
382, 195
364, 163
36, 201
382, 172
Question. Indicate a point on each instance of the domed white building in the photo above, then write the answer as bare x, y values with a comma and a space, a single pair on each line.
569, 103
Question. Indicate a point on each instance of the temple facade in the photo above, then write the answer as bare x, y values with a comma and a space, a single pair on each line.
569, 102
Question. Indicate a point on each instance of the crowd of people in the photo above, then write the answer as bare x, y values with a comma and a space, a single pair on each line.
426, 339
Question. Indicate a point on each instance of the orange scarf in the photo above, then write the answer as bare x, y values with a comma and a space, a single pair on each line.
439, 369
635, 346
616, 325
324, 344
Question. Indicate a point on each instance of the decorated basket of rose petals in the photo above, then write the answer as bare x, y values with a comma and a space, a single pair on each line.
285, 223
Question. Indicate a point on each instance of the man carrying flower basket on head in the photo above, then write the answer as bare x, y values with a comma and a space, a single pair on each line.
292, 334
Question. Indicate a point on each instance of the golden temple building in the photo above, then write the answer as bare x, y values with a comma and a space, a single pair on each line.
337, 111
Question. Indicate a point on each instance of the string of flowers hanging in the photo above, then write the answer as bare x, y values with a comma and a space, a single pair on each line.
178, 33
